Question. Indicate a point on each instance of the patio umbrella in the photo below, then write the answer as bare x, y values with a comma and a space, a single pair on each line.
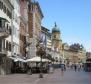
17, 59
37, 59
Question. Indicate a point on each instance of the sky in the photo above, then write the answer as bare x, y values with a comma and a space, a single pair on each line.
73, 18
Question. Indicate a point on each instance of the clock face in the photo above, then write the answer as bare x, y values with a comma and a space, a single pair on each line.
54, 36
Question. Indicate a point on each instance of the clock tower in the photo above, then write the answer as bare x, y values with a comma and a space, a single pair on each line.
56, 41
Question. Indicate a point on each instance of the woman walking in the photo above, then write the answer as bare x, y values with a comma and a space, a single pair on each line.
62, 69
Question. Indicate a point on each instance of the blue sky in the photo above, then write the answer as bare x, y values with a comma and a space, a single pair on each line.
73, 17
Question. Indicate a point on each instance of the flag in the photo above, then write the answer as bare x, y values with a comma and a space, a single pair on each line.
42, 38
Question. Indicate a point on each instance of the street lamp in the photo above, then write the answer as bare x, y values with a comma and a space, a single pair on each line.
41, 52
63, 52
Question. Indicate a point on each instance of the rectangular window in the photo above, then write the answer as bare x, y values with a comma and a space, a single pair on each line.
10, 30
4, 8
7, 45
17, 34
0, 44
14, 31
4, 44
0, 5
9, 14
7, 26
0, 23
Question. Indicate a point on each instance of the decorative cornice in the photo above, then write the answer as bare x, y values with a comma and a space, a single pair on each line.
37, 4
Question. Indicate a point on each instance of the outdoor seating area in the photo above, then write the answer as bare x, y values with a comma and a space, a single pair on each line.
87, 65
38, 70
30, 66
31, 70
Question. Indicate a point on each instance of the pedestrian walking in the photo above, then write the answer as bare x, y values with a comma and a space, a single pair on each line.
62, 69
75, 67
51, 68
79, 67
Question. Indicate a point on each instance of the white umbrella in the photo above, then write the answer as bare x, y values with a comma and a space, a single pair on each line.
17, 59
37, 59
22, 60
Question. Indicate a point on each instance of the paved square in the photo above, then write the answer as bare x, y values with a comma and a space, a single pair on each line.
69, 77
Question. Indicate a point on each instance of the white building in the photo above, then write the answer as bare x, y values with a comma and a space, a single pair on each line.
6, 9
16, 26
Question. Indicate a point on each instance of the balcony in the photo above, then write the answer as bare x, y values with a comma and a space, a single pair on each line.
3, 52
4, 32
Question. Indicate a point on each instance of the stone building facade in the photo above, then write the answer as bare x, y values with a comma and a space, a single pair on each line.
73, 57
23, 27
34, 24
6, 9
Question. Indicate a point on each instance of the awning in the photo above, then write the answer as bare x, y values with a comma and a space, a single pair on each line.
37, 59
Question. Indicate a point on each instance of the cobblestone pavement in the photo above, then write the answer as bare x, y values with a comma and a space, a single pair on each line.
69, 77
